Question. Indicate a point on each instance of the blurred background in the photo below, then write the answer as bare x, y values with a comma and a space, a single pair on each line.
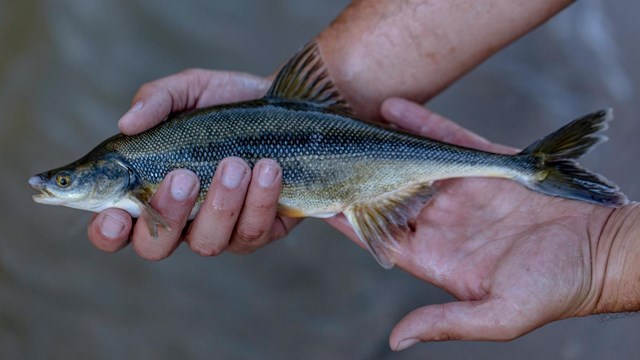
68, 70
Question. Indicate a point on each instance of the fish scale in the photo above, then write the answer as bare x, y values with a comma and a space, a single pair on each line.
300, 140
331, 162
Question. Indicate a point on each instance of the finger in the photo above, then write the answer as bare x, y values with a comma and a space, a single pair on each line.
340, 223
490, 319
228, 86
255, 224
174, 201
155, 100
212, 228
109, 230
414, 118
186, 90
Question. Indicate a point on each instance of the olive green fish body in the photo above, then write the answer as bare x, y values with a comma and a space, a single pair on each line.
329, 160
331, 163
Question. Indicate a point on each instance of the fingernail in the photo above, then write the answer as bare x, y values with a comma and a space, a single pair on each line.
136, 107
181, 186
406, 343
232, 174
267, 175
111, 227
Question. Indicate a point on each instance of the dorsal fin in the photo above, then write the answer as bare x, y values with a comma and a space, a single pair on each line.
305, 78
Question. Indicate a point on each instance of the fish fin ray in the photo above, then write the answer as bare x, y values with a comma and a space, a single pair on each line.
558, 172
305, 78
142, 196
293, 212
574, 139
379, 222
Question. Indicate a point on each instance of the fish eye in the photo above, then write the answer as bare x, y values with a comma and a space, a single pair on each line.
63, 180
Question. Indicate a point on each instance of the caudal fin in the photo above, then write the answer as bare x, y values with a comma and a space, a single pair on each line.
558, 172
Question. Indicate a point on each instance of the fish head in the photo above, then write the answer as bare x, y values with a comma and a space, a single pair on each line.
87, 184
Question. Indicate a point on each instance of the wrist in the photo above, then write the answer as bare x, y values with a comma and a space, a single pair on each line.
616, 271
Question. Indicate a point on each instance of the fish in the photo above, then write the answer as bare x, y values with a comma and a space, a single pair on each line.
332, 162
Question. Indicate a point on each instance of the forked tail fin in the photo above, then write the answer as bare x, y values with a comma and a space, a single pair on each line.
557, 171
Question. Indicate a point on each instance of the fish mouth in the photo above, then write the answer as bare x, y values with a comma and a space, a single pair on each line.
45, 197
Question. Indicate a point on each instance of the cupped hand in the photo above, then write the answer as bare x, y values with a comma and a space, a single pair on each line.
239, 213
513, 258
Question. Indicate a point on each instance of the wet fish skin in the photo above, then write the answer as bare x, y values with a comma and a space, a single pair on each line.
332, 163
328, 160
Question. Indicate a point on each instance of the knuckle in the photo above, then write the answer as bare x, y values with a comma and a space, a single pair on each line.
147, 88
259, 207
250, 234
225, 210
263, 204
203, 246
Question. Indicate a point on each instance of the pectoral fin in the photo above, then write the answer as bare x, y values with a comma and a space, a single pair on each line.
154, 219
380, 221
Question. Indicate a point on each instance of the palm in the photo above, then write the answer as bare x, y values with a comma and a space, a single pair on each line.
488, 239
514, 259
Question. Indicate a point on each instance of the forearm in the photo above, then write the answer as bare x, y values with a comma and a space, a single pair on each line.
377, 49
618, 262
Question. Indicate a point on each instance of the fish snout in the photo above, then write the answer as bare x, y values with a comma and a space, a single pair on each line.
37, 182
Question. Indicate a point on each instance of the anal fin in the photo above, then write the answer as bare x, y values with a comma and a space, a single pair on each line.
378, 222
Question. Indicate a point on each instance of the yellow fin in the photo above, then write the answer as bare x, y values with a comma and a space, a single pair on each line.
289, 211
378, 222
304, 78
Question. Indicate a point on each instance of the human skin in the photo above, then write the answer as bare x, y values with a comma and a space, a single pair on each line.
515, 259
374, 50
377, 49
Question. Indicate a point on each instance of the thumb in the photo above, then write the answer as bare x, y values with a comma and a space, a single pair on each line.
490, 319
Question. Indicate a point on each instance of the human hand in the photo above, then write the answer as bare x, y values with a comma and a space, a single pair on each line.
239, 213
513, 258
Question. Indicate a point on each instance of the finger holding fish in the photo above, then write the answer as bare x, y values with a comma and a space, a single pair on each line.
109, 230
191, 88
173, 200
255, 223
416, 119
215, 222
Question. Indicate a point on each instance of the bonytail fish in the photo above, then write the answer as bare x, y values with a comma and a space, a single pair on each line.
331, 162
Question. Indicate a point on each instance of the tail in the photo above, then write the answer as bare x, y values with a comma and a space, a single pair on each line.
557, 171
